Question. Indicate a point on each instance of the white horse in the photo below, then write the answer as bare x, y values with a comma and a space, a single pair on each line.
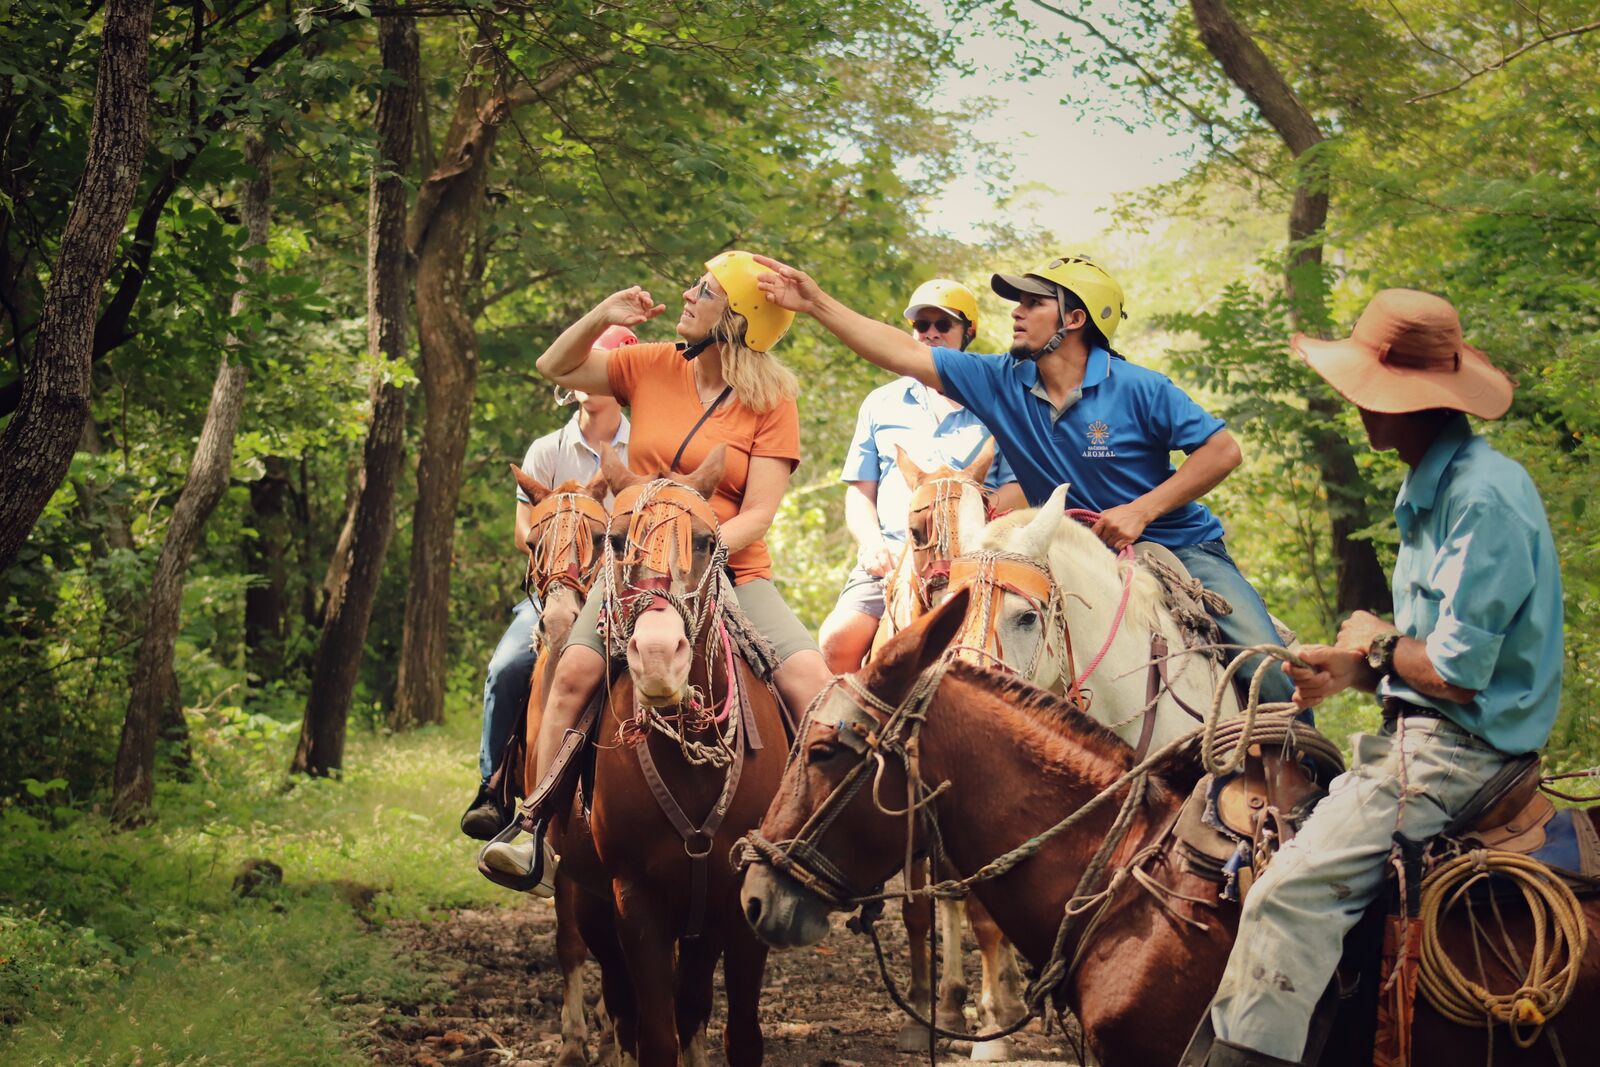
1051, 602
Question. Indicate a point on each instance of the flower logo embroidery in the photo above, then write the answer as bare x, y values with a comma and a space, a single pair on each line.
1099, 433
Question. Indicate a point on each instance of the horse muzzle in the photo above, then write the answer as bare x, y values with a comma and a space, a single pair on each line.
780, 912
659, 658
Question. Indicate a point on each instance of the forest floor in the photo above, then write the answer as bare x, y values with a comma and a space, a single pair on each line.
820, 1006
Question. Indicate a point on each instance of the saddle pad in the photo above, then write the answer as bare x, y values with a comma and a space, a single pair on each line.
1571, 849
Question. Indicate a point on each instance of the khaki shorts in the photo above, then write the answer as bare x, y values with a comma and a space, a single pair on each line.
758, 599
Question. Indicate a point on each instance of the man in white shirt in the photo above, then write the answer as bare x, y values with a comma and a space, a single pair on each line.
571, 453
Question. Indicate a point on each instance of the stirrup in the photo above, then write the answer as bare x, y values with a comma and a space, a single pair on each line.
536, 880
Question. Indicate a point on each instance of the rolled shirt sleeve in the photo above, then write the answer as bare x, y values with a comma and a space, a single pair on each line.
1185, 423
1483, 575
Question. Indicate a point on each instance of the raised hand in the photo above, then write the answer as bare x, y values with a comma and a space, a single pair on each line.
630, 307
787, 287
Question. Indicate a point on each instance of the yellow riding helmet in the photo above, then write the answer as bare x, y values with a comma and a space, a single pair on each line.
1078, 275
765, 322
947, 295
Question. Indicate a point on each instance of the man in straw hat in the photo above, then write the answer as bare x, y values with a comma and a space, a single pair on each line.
1469, 673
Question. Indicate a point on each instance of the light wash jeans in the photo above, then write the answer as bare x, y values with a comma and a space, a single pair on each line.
1250, 623
505, 691
1291, 932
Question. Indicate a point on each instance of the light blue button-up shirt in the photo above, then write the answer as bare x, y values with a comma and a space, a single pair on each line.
1477, 580
909, 414
564, 456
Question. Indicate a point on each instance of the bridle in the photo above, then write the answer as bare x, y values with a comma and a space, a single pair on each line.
561, 546
657, 518
940, 499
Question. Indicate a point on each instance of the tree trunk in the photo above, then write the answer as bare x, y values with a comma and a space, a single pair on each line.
266, 555
449, 204
153, 702
1361, 581
357, 565
37, 445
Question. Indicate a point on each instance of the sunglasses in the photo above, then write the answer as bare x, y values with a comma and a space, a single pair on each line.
939, 325
702, 291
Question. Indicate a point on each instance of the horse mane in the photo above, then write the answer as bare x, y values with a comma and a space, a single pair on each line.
1072, 544
1044, 706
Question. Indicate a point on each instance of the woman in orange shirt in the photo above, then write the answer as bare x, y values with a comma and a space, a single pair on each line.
720, 387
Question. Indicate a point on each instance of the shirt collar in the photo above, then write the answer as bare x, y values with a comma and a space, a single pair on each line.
1096, 370
1421, 486
618, 438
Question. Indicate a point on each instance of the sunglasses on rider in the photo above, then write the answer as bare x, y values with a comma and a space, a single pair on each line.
941, 325
702, 291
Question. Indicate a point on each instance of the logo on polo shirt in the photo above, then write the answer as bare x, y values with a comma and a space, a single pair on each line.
1099, 434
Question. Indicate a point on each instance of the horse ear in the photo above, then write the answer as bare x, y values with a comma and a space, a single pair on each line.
1041, 529
615, 472
597, 487
705, 478
912, 473
978, 469
892, 671
535, 490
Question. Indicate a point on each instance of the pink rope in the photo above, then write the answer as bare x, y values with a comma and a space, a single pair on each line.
733, 681
1089, 518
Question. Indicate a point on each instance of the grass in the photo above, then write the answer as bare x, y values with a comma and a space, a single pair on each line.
132, 948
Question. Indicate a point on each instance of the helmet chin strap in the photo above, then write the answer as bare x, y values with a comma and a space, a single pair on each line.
694, 350
1061, 331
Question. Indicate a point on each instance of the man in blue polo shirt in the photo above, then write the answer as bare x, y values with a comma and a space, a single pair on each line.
1065, 409
1469, 672
934, 431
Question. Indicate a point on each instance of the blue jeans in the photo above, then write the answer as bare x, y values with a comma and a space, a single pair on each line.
1292, 926
505, 692
1250, 624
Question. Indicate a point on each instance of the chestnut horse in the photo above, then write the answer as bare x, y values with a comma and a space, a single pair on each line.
566, 543
946, 514
1142, 972
690, 749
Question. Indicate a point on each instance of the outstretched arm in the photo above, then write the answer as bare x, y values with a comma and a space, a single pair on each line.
876, 342
573, 362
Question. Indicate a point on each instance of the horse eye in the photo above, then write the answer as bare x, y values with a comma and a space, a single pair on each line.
702, 544
1028, 620
619, 542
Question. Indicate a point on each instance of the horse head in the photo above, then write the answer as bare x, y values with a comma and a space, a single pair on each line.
947, 511
666, 549
566, 540
833, 831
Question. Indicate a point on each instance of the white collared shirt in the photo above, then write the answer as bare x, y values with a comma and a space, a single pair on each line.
564, 455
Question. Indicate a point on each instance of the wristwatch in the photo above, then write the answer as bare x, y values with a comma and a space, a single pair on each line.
1380, 653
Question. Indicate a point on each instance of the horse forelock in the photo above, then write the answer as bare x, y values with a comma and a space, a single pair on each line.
1074, 550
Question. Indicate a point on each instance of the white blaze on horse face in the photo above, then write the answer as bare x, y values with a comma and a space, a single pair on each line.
1035, 538
658, 658
561, 608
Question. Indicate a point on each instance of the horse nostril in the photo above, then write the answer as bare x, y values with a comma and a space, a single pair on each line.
752, 910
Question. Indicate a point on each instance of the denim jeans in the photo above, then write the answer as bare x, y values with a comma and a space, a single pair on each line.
1292, 928
505, 692
1250, 623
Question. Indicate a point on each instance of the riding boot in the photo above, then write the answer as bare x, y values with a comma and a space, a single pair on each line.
485, 817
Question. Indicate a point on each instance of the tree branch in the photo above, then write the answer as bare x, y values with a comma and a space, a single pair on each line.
1505, 60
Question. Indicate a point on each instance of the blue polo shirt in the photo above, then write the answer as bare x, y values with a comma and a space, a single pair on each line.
1477, 580
909, 414
1112, 439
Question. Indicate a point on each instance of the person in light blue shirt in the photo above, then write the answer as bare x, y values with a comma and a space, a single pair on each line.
1469, 672
1065, 408
933, 431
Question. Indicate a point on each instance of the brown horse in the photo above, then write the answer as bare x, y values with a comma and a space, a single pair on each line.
566, 543
946, 514
1144, 973
688, 755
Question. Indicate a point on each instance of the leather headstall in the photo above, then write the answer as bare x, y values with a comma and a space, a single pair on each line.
556, 533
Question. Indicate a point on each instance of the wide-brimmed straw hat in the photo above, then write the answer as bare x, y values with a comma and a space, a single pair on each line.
1407, 354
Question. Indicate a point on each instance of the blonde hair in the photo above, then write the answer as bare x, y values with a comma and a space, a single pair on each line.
759, 379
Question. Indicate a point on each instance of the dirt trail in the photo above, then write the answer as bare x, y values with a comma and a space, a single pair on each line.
821, 1006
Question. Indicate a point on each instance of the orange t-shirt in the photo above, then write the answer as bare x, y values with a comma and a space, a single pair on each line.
657, 384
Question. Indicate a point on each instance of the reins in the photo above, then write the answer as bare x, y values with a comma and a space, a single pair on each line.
559, 552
